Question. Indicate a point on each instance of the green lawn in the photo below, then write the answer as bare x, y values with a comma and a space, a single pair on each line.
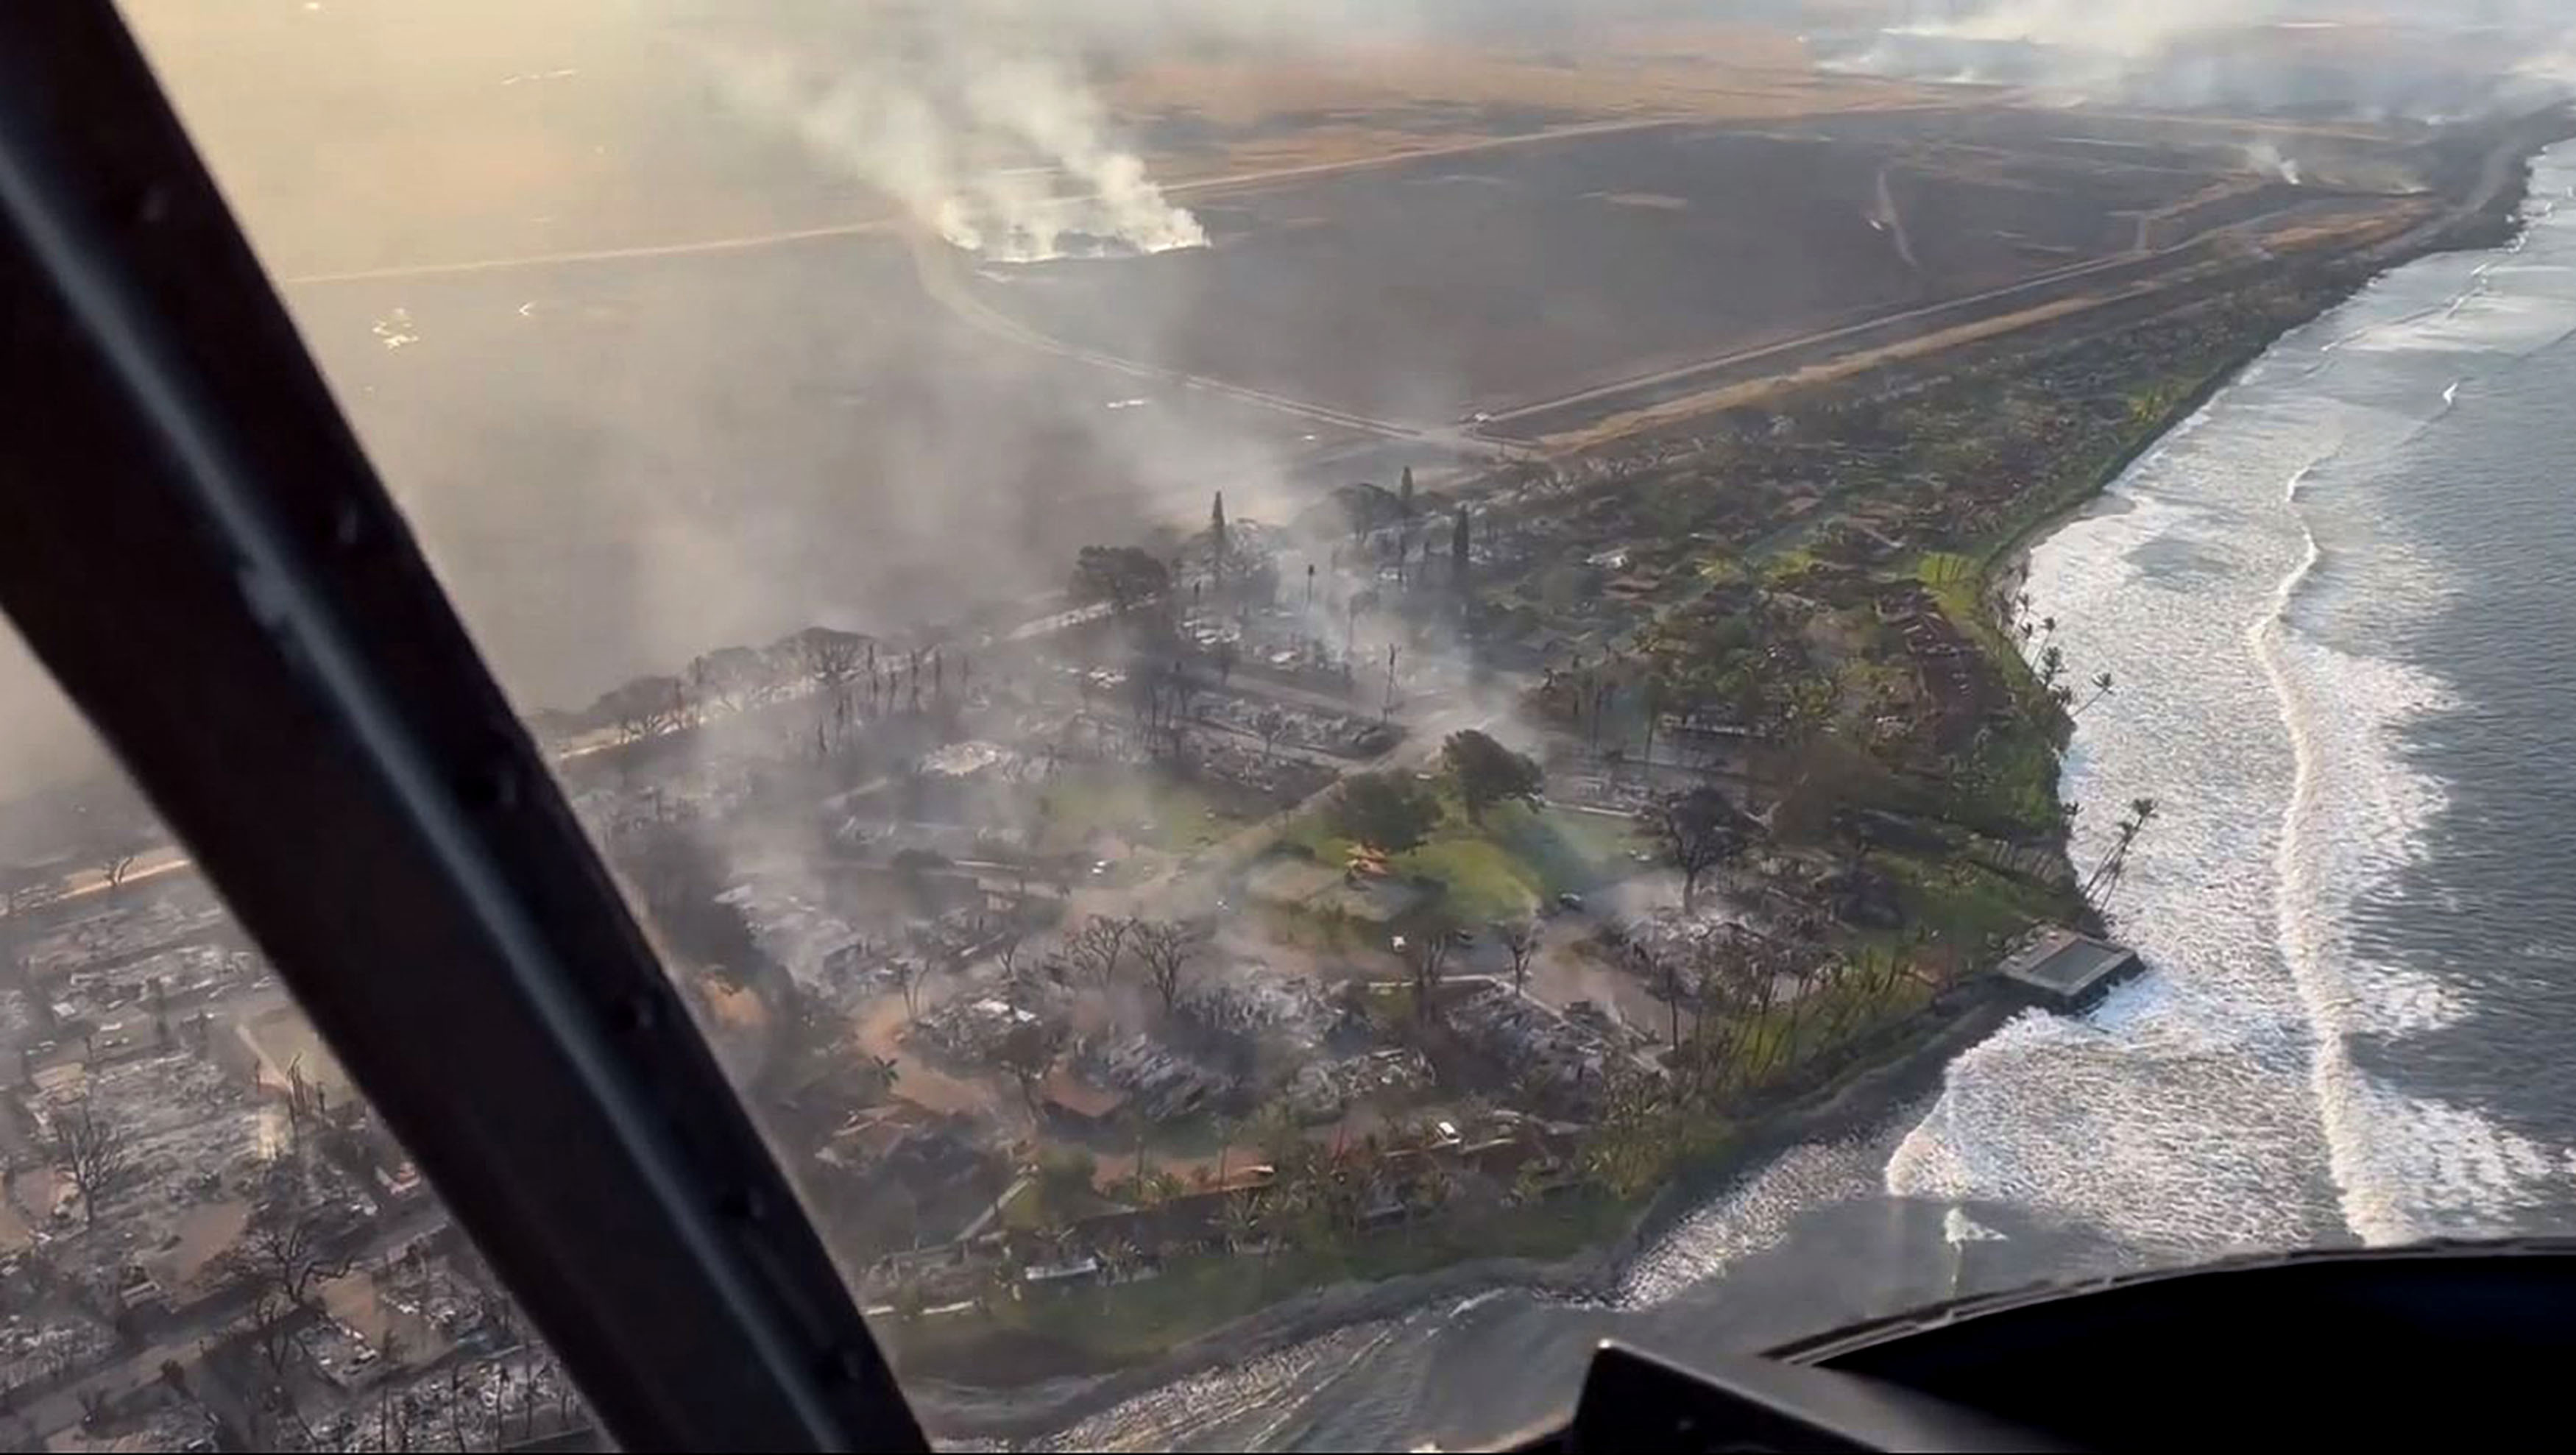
2012, 786
1966, 903
1141, 805
1518, 859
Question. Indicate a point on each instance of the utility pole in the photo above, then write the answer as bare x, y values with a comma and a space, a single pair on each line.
1389, 714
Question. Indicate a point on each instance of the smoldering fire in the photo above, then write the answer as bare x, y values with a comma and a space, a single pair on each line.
1007, 156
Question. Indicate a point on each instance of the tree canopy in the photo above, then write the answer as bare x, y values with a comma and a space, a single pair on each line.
1488, 773
1366, 507
1123, 576
1699, 830
1388, 811
827, 655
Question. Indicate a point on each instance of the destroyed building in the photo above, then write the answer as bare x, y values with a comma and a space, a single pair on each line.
793, 928
970, 1030
1158, 1081
1322, 1091
1561, 1061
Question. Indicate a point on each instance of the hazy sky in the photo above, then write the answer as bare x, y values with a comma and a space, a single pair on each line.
575, 470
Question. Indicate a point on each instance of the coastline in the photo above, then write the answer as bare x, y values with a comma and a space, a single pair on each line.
2493, 222
1867, 1090
2492, 225
1873, 1082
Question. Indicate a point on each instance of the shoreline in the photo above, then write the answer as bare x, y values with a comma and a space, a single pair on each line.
2487, 228
1868, 1090
1873, 1083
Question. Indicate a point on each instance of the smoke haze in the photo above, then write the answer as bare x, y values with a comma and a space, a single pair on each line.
620, 463
929, 126
2376, 60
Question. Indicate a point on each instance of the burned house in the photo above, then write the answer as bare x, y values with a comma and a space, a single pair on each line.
1155, 1081
1322, 1091
1563, 1062
971, 1030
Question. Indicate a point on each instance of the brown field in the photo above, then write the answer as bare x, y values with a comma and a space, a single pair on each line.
1516, 280
1217, 118
672, 386
362, 138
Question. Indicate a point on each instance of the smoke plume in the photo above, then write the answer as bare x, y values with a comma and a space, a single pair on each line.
1006, 155
2376, 60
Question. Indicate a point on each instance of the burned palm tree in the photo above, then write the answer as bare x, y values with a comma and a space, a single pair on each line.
2101, 688
2106, 875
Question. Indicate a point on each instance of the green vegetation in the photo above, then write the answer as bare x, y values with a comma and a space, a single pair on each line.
1484, 773
1958, 903
1103, 1326
1518, 859
1388, 812
1141, 805
1482, 879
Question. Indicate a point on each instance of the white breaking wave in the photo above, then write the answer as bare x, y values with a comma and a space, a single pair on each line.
2185, 1114
2322, 868
2176, 1116
1750, 1217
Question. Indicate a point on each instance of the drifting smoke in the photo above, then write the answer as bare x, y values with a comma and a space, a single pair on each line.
2419, 60
2131, 29
1006, 156
2266, 158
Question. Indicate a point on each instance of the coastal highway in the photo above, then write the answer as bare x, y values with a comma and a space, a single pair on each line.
2139, 264
1788, 355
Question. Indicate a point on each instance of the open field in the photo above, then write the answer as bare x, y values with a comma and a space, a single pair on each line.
624, 460
651, 379
388, 136
1554, 281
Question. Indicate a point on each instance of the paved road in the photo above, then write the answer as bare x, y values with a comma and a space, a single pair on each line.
2498, 171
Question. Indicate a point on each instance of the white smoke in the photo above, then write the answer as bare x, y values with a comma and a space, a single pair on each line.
1008, 156
2430, 61
2127, 29
2265, 157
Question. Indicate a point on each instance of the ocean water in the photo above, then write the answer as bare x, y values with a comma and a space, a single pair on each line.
2339, 605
